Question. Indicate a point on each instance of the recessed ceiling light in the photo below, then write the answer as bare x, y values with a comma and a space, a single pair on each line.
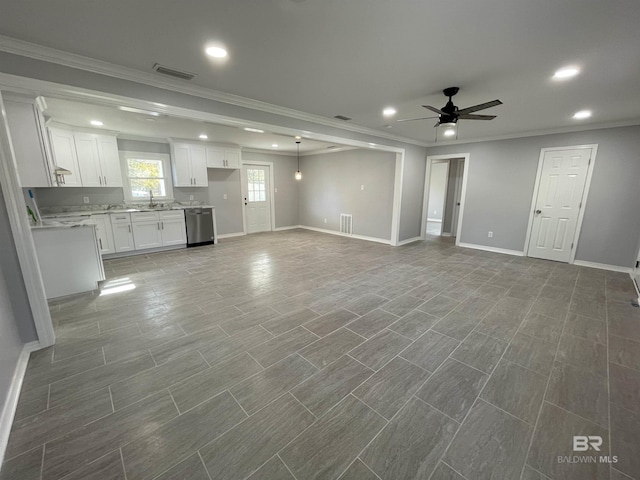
582, 114
216, 52
96, 123
254, 130
202, 136
275, 145
298, 137
389, 112
449, 132
566, 72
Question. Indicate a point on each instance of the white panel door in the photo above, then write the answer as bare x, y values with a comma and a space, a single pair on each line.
64, 153
88, 159
558, 202
257, 199
109, 161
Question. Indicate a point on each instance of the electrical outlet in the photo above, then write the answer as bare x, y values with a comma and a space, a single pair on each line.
275, 190
190, 197
224, 196
85, 199
325, 220
361, 187
490, 235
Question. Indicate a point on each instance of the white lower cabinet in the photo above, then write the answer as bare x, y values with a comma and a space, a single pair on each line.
122, 232
104, 232
172, 227
158, 229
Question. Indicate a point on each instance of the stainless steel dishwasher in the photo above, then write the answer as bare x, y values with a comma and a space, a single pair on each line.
199, 226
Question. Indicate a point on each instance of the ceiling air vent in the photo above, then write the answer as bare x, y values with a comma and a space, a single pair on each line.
342, 117
172, 72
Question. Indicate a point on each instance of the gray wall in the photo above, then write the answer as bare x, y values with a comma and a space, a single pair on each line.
415, 166
437, 184
229, 211
500, 187
330, 186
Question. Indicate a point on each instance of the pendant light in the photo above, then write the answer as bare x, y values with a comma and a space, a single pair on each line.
298, 173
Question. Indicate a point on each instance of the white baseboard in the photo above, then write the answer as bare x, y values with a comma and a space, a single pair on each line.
410, 240
132, 253
486, 248
434, 220
11, 404
445, 234
230, 235
359, 237
291, 227
603, 266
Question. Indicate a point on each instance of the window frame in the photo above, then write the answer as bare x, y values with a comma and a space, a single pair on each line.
166, 167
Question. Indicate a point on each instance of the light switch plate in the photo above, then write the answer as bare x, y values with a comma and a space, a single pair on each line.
224, 196
85, 199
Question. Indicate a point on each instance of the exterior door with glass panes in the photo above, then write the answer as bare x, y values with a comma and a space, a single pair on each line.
256, 194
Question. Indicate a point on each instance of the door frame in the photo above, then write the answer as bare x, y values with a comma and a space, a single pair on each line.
585, 195
272, 192
427, 179
457, 192
446, 192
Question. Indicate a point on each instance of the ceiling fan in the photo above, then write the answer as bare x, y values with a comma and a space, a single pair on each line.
450, 114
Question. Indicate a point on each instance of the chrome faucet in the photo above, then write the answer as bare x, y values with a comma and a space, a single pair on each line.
151, 204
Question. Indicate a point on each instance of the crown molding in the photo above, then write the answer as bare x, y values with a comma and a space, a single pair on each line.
47, 54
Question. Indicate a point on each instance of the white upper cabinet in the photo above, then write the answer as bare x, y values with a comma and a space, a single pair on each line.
189, 164
64, 155
223, 157
92, 158
26, 127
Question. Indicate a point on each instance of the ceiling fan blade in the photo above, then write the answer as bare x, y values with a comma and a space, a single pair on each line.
481, 106
412, 119
434, 109
476, 117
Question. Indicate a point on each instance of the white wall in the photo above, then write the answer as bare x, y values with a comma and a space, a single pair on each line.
331, 185
437, 189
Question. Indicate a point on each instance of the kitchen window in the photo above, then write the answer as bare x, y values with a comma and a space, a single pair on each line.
146, 172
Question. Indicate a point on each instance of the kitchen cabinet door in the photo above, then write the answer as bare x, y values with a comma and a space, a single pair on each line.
123, 237
199, 166
64, 154
232, 158
88, 159
104, 232
173, 232
215, 157
109, 161
147, 234
182, 166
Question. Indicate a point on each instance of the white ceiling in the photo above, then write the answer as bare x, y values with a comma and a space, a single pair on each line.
330, 57
162, 127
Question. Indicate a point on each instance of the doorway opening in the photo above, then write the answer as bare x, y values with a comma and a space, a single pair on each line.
559, 200
443, 196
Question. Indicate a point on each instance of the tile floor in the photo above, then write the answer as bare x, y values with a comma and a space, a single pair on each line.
298, 355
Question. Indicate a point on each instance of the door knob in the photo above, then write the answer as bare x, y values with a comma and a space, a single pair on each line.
538, 212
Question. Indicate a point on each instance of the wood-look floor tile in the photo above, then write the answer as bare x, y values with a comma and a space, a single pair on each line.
326, 388
541, 326
583, 354
223, 348
46, 373
430, 350
389, 389
328, 447
580, 392
402, 305
330, 322
328, 349
66, 454
372, 323
23, 467
128, 391
190, 469
97, 378
182, 436
36, 430
72, 346
413, 324
624, 352
259, 390
377, 351
516, 390
282, 346
108, 467
358, 471
274, 469
32, 401
532, 353
554, 437
480, 351
490, 444
456, 324
625, 442
586, 327
453, 389
289, 321
365, 303
411, 444
439, 306
243, 449
445, 472
624, 384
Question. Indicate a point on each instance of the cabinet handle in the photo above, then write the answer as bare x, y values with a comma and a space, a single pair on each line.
105, 181
100, 240
100, 179
162, 225
158, 225
129, 228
